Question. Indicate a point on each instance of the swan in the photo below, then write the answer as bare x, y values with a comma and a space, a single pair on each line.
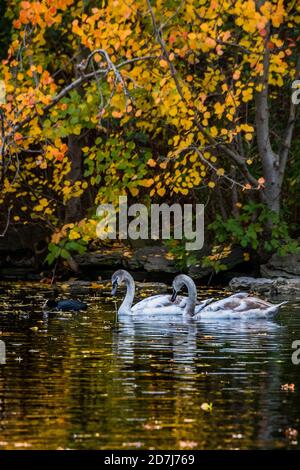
158, 304
241, 305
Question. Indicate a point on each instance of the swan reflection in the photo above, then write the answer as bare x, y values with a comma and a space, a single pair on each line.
185, 341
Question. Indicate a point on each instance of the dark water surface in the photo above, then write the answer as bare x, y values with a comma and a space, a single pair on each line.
83, 382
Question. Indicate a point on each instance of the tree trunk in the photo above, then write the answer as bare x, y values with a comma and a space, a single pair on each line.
270, 160
273, 164
74, 210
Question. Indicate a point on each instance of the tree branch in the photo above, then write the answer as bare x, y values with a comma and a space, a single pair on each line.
2, 234
239, 161
283, 155
158, 34
77, 83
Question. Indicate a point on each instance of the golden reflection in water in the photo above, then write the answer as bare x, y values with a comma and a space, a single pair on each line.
83, 381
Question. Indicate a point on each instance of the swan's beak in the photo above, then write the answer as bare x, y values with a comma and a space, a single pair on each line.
114, 288
174, 295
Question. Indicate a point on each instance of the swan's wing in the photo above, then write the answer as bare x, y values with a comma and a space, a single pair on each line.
152, 301
200, 305
229, 303
154, 312
159, 301
163, 301
252, 303
224, 304
240, 295
260, 303
235, 307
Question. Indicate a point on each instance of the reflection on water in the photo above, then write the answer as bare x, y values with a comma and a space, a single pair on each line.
83, 381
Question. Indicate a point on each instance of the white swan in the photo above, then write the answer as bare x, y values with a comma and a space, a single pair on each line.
241, 305
158, 304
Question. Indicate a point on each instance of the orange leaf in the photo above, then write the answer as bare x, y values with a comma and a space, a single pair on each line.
151, 162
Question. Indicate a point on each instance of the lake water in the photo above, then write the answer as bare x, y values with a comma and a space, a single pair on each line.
82, 381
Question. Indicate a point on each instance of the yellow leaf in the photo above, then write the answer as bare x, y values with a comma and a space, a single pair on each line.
161, 192
192, 36
43, 202
247, 128
77, 130
146, 183
73, 235
151, 162
163, 63
206, 406
214, 131
247, 95
134, 191
176, 139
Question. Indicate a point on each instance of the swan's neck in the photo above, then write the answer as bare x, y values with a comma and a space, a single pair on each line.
189, 310
126, 305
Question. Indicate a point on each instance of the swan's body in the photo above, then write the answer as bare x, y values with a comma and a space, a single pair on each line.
157, 304
241, 306
165, 302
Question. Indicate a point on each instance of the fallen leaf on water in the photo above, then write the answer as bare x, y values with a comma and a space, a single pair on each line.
187, 444
95, 285
132, 444
22, 444
291, 433
288, 387
206, 406
34, 328
154, 425
65, 286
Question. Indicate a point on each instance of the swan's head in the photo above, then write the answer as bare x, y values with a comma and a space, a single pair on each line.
179, 282
183, 281
117, 278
